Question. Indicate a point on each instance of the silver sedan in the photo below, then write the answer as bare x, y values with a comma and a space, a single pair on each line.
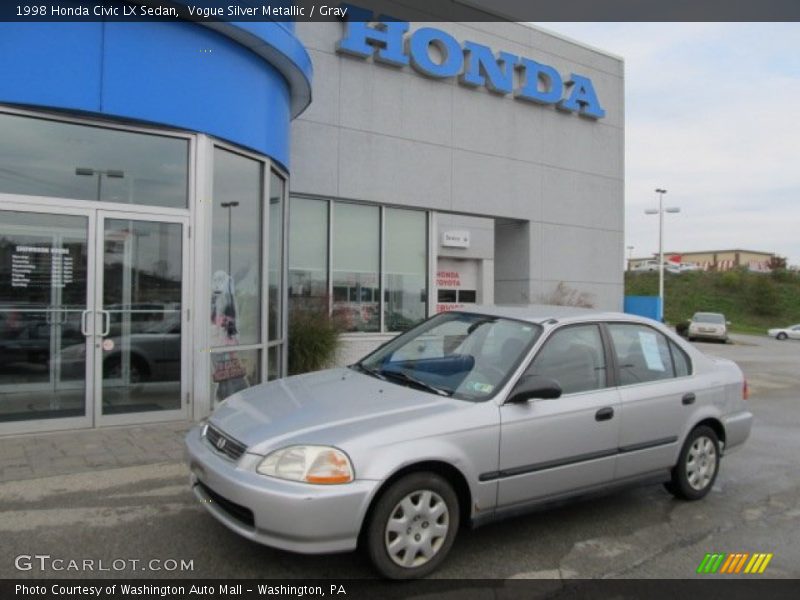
468, 418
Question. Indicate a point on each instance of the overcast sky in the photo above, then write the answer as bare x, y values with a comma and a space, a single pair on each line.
712, 115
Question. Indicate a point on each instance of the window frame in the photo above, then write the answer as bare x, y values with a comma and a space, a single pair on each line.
670, 344
108, 123
382, 208
612, 380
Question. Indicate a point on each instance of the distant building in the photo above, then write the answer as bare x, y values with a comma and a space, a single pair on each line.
714, 260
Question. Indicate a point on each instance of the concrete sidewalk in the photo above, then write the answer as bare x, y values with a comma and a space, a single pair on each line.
64, 452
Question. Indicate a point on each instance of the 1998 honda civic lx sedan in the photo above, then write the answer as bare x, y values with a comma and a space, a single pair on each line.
466, 418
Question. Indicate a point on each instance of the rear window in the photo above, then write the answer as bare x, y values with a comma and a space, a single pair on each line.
714, 318
643, 354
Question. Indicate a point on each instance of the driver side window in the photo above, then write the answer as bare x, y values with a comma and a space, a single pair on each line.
574, 357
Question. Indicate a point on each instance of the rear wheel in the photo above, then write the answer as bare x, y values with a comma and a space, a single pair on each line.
413, 526
698, 465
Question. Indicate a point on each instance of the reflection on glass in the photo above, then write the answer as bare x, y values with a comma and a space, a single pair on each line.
236, 250
406, 268
276, 188
142, 273
308, 252
49, 158
273, 363
43, 274
233, 371
356, 252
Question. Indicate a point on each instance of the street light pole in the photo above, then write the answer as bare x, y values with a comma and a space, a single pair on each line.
660, 212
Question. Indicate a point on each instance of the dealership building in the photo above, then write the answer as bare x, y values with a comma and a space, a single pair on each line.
169, 191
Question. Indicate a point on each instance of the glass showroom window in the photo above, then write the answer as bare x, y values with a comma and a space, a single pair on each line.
308, 254
355, 273
83, 162
406, 257
236, 273
354, 266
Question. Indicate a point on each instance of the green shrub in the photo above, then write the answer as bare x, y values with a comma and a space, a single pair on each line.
682, 328
730, 280
763, 296
313, 338
783, 275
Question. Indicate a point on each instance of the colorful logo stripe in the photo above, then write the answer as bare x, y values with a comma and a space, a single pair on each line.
734, 563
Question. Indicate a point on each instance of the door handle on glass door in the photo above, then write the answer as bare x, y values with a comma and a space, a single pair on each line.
106, 323
84, 314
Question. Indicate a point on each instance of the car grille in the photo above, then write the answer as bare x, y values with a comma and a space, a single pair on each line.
241, 513
224, 444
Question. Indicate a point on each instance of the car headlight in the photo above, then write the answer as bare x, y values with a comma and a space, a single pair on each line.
311, 464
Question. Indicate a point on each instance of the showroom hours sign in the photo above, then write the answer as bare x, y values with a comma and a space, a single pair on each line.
41, 266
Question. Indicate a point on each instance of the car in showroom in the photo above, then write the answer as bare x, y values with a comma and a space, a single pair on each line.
469, 417
708, 326
785, 333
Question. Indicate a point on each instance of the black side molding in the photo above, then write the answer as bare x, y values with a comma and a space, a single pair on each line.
553, 464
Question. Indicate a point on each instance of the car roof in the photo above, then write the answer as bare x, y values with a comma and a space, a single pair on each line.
541, 313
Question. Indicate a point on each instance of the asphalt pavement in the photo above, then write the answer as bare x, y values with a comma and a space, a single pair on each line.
144, 512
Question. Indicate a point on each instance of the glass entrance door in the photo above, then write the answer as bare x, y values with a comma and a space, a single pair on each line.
45, 268
93, 319
140, 344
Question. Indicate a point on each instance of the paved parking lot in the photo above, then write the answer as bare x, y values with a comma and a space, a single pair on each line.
144, 511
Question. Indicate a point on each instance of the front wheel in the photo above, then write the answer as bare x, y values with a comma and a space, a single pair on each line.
698, 465
781, 336
413, 526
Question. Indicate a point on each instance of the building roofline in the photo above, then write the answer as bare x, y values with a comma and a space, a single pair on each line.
480, 6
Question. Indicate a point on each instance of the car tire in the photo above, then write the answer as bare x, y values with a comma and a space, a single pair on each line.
698, 465
781, 336
413, 526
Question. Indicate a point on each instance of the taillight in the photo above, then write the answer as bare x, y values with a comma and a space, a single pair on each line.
745, 391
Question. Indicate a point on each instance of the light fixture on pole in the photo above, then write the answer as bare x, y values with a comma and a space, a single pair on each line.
660, 212
109, 173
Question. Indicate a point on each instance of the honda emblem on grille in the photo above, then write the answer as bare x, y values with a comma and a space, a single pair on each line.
221, 443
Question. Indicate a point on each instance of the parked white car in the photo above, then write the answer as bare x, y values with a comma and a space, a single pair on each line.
792, 332
678, 268
711, 326
648, 265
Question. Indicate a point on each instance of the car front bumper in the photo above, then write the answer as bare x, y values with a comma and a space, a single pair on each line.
288, 515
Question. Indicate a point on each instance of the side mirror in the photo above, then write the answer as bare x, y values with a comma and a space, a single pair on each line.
727, 322
534, 387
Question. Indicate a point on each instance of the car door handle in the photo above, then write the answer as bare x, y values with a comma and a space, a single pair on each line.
688, 398
604, 414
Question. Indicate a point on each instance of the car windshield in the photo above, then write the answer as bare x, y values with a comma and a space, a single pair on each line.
714, 318
463, 355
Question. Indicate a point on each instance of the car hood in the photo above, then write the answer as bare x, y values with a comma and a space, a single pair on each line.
326, 407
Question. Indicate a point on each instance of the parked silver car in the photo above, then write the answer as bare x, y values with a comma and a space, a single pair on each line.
467, 418
708, 326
